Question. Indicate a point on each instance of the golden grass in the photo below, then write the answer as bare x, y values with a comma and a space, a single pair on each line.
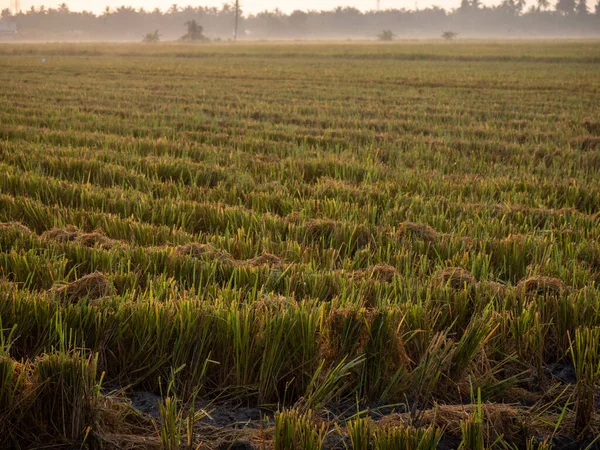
91, 287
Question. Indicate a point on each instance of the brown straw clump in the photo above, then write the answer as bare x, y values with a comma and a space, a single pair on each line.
293, 218
585, 143
498, 419
272, 301
196, 250
16, 226
362, 235
95, 239
72, 234
316, 228
381, 272
266, 259
68, 234
455, 277
592, 126
92, 286
544, 286
420, 231
494, 288
7, 286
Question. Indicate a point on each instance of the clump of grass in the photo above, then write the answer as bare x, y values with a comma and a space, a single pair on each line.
456, 278
17, 226
92, 287
493, 288
15, 397
529, 333
328, 384
541, 286
586, 143
62, 235
295, 430
266, 259
360, 431
393, 437
73, 234
419, 231
203, 251
592, 126
272, 301
293, 218
586, 360
533, 444
472, 428
380, 272
95, 239
67, 394
317, 229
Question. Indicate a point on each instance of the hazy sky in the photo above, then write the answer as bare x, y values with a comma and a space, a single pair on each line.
248, 5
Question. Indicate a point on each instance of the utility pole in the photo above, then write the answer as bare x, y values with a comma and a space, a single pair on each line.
16, 6
378, 5
237, 19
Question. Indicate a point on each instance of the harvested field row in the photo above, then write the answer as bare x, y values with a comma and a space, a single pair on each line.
282, 247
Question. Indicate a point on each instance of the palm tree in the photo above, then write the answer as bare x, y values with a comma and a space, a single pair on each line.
543, 4
519, 5
566, 7
581, 8
152, 38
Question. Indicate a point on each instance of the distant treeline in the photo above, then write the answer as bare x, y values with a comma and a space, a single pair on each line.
471, 19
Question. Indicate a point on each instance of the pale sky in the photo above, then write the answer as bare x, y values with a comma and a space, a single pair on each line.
251, 6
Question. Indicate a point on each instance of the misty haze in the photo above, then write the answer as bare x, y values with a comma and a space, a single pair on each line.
470, 19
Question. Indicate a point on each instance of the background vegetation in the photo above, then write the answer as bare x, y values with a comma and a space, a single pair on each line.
509, 18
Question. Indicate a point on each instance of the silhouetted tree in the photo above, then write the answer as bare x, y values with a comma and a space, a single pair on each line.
509, 6
386, 36
272, 22
520, 5
449, 35
566, 6
151, 38
543, 4
465, 5
582, 8
298, 20
194, 32
571, 17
